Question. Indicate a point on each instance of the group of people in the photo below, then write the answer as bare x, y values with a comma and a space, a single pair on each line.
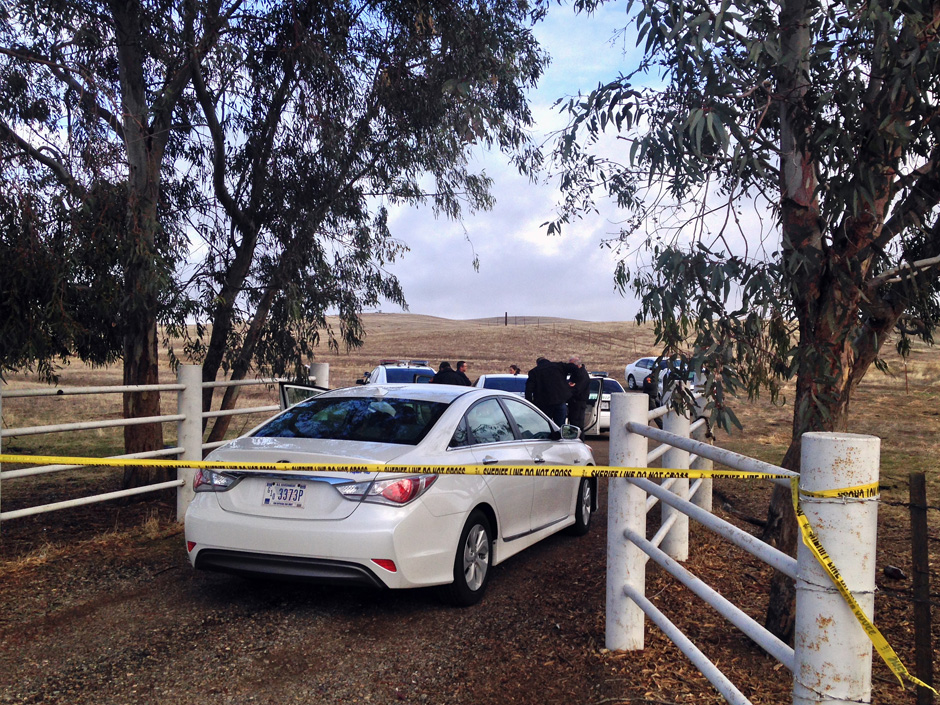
559, 389
448, 375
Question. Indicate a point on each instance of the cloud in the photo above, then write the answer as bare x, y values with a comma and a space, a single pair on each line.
523, 271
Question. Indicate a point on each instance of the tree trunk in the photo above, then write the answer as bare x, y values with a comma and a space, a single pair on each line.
140, 367
782, 532
141, 284
243, 363
802, 251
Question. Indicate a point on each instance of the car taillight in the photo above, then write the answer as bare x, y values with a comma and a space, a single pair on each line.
401, 491
396, 491
210, 481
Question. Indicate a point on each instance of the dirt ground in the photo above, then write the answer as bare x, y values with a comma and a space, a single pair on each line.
101, 607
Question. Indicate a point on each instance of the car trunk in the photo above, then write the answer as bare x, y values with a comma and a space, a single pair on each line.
303, 494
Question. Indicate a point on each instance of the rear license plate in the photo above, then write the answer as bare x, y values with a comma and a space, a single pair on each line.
285, 494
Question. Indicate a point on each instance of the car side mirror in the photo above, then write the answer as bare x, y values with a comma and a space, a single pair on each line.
570, 433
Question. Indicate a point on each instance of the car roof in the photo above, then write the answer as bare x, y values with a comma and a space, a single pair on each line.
503, 375
398, 362
445, 393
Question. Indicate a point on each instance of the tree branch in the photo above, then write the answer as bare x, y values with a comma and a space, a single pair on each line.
87, 96
61, 173
923, 197
904, 271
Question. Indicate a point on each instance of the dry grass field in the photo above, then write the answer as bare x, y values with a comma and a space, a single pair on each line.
902, 408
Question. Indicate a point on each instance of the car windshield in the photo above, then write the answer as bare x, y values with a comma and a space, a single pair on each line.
406, 375
382, 420
506, 384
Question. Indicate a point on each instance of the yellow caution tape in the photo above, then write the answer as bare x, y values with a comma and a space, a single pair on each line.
858, 492
505, 470
811, 540
809, 535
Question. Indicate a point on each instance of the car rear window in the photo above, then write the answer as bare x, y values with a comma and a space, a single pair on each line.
380, 420
611, 386
398, 375
506, 384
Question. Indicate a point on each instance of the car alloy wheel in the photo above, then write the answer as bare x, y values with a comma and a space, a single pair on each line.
583, 509
472, 562
476, 557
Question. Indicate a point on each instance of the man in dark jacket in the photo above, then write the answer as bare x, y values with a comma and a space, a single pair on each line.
462, 373
579, 380
651, 388
547, 388
447, 375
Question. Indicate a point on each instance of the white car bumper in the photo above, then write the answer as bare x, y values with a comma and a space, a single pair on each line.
421, 545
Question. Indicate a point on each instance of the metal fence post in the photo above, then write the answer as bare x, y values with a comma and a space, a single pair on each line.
189, 431
832, 653
626, 508
320, 374
703, 497
675, 543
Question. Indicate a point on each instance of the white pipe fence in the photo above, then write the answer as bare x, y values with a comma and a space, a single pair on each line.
189, 419
831, 661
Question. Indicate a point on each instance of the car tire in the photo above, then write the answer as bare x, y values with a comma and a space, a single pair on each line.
631, 382
472, 562
584, 509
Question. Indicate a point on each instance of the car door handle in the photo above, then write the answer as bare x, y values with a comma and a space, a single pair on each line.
489, 460
538, 460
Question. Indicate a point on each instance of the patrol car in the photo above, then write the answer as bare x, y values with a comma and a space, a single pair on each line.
398, 372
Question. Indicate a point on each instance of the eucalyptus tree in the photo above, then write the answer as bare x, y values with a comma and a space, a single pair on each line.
92, 111
780, 168
320, 115
278, 133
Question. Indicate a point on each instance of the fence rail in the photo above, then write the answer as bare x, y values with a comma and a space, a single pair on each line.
189, 446
831, 657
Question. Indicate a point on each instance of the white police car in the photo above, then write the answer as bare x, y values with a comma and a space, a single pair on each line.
398, 372
597, 414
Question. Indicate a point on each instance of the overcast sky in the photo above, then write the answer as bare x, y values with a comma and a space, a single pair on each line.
523, 271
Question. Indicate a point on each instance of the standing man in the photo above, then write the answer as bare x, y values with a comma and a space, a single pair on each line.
462, 371
446, 375
579, 381
547, 388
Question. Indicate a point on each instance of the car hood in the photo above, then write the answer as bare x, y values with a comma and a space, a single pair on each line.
321, 500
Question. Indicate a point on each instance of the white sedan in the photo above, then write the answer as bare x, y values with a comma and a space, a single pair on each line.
637, 370
387, 529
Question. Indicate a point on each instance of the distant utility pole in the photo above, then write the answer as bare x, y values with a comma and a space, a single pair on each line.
506, 319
